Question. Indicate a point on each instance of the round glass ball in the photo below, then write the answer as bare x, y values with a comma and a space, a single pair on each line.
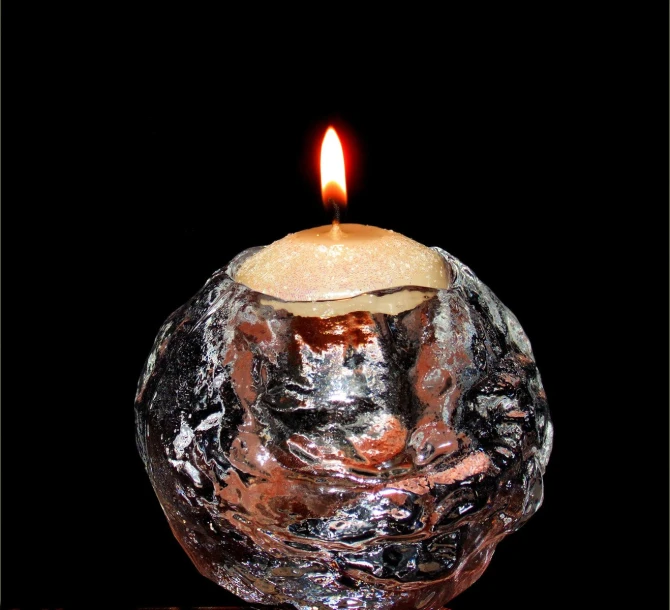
344, 458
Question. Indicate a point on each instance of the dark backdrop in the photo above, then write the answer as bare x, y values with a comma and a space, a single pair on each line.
139, 165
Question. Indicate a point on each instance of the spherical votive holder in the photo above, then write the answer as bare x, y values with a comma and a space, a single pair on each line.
363, 453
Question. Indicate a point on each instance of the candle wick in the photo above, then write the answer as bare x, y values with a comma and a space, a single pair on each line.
336, 210
335, 231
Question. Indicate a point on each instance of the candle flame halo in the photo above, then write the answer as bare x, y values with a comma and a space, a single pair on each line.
333, 182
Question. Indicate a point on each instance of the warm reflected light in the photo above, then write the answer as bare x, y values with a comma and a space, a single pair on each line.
333, 183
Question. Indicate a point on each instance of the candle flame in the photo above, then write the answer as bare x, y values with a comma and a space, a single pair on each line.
333, 183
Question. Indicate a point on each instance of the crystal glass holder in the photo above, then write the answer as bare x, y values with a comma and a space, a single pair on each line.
366, 453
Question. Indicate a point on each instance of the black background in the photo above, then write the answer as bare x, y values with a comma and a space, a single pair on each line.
144, 151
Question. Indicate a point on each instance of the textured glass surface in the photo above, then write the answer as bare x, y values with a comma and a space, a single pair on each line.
365, 460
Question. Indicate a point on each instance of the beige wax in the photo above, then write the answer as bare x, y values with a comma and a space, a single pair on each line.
341, 261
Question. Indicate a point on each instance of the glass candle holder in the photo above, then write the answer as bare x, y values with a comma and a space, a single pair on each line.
363, 453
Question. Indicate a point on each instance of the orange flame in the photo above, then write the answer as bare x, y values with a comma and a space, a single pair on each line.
333, 183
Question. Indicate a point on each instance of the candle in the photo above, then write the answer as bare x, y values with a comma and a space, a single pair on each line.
368, 461
340, 261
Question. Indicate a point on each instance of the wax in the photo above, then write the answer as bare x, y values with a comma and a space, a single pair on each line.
341, 261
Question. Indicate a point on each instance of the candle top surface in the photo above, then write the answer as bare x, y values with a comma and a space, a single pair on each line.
339, 262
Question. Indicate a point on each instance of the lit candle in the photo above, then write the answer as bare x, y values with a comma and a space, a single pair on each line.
340, 261
415, 441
